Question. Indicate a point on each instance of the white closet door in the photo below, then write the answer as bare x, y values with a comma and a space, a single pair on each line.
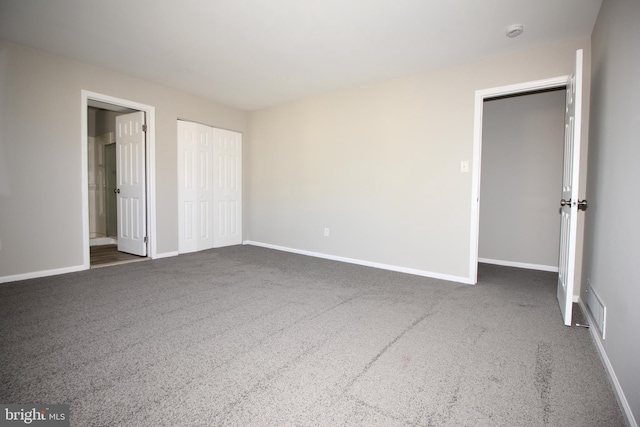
209, 187
227, 188
187, 194
195, 182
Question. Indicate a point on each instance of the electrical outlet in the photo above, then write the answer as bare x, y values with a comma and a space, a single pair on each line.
464, 166
326, 232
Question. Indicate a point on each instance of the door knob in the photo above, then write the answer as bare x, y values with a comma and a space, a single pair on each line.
582, 205
564, 202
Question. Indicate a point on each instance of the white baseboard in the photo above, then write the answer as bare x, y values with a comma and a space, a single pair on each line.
622, 399
43, 273
413, 271
166, 255
551, 268
55, 272
98, 241
539, 267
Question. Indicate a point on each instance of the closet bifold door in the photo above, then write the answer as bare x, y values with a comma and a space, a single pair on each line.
195, 187
209, 187
227, 188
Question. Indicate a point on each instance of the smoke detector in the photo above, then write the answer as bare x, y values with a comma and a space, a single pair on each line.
514, 31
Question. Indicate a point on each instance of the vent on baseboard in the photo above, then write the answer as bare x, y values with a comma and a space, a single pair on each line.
597, 309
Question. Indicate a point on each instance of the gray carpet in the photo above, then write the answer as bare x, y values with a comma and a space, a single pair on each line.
251, 336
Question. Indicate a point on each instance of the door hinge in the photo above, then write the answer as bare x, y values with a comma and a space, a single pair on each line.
144, 128
145, 239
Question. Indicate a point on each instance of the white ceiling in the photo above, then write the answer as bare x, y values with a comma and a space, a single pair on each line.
253, 54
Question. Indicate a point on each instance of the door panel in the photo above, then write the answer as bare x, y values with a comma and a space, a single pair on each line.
111, 187
131, 186
227, 184
569, 202
187, 189
205, 187
195, 194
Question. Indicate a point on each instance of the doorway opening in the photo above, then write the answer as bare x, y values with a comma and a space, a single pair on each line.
118, 180
558, 83
101, 149
521, 181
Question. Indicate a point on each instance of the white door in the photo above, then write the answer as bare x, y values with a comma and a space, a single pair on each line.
195, 187
130, 177
227, 188
569, 202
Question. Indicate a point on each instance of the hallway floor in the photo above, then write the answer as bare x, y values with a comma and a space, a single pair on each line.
105, 255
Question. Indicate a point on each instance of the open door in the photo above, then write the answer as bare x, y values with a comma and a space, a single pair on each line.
130, 176
569, 203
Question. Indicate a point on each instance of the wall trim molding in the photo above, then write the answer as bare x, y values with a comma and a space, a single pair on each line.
166, 254
65, 270
617, 388
416, 272
551, 268
42, 273
99, 241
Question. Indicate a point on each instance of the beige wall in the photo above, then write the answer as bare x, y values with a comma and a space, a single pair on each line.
41, 219
380, 165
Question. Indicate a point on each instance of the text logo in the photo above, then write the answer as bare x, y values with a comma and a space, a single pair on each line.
34, 415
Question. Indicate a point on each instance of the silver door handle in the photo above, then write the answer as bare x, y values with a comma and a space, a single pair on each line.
564, 202
582, 205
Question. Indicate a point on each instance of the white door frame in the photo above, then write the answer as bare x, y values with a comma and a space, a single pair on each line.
150, 113
481, 95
